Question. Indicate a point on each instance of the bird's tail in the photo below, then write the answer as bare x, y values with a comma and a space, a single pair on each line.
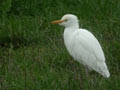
104, 70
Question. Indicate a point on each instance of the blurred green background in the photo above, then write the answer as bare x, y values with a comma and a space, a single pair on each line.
32, 52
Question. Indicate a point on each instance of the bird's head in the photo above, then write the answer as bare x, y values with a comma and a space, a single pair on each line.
67, 20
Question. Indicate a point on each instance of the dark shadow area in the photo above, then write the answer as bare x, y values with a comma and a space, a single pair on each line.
16, 42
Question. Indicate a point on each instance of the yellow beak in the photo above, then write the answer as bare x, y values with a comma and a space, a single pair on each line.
57, 21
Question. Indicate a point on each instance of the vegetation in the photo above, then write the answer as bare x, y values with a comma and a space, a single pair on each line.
32, 51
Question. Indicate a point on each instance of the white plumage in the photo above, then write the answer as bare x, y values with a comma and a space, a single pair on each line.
82, 45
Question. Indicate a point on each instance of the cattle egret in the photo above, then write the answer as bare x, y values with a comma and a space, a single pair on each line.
82, 45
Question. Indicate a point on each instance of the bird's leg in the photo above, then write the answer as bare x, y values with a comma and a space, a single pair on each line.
87, 72
88, 69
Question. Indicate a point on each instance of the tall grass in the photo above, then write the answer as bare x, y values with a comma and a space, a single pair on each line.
32, 52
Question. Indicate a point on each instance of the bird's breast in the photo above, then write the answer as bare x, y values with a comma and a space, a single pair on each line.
69, 40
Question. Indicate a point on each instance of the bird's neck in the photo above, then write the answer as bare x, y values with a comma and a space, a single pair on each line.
68, 33
72, 28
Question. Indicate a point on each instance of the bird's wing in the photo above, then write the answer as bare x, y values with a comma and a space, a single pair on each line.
86, 49
86, 43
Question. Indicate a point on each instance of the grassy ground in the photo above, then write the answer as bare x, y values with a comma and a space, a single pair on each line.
32, 52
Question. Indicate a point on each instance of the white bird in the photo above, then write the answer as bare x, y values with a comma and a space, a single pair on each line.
82, 45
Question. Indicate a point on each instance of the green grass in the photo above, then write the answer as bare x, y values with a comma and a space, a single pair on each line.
32, 51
